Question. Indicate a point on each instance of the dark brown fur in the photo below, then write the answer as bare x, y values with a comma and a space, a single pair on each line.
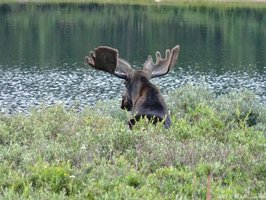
145, 100
142, 98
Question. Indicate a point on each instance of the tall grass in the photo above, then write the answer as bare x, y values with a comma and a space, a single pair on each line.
211, 150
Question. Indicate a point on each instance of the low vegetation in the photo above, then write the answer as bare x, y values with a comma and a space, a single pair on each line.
216, 148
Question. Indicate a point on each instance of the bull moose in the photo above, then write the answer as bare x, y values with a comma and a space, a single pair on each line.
142, 97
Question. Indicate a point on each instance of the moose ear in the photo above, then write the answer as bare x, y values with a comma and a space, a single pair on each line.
123, 69
103, 58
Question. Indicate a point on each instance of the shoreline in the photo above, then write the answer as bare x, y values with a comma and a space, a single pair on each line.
256, 4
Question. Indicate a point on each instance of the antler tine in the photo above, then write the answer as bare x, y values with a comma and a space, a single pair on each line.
162, 65
90, 60
158, 57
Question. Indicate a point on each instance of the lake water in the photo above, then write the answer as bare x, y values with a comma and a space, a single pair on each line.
43, 48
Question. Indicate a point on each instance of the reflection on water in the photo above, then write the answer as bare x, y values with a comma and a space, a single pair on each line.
226, 48
22, 88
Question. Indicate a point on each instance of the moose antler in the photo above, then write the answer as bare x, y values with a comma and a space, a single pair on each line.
106, 59
162, 66
103, 58
141, 95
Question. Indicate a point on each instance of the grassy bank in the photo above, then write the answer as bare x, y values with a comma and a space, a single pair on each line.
259, 4
216, 147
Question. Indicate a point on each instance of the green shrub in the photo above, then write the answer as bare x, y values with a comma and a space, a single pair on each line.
212, 146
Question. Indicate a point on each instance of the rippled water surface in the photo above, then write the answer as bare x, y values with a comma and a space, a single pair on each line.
42, 61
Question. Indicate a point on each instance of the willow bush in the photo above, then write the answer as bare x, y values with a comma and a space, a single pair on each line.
216, 146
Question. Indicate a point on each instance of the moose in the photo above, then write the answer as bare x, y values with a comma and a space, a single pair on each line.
142, 97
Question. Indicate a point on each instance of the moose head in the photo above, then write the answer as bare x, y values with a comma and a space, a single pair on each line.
142, 97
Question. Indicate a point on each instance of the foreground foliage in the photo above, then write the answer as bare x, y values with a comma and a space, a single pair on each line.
215, 148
